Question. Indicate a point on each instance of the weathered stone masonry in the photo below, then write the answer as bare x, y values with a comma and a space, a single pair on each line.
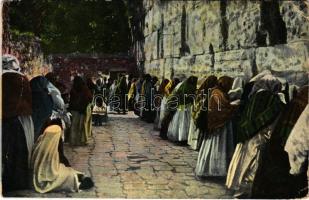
234, 37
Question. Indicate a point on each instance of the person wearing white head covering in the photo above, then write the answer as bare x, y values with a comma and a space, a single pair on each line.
10, 63
17, 126
267, 82
245, 160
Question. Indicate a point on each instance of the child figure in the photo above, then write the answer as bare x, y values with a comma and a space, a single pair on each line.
99, 112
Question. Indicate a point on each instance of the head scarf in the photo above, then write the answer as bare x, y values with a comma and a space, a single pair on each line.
174, 83
51, 77
267, 82
219, 108
209, 83
237, 88
188, 87
162, 87
10, 62
225, 83
260, 75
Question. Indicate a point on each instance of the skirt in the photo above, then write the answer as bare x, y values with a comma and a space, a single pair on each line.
162, 110
245, 162
178, 129
215, 152
79, 132
194, 135
156, 121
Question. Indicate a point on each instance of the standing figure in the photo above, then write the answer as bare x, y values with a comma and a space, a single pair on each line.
17, 126
132, 94
273, 179
195, 132
80, 107
178, 129
121, 93
217, 145
147, 94
254, 128
167, 115
158, 101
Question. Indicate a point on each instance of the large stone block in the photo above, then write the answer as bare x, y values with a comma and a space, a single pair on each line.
294, 56
202, 65
172, 38
211, 28
243, 20
195, 38
295, 14
235, 63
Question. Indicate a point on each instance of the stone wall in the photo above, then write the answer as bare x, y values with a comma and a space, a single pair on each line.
239, 37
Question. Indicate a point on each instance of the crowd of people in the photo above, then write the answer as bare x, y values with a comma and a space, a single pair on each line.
253, 133
36, 121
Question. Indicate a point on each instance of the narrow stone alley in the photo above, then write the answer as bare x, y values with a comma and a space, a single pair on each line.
127, 159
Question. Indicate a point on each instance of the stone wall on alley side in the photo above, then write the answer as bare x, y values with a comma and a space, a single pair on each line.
239, 37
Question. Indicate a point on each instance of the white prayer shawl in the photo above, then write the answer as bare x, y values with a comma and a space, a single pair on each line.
56, 96
27, 124
178, 129
215, 152
237, 89
48, 173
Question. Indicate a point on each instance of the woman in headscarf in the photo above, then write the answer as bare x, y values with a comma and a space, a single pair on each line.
80, 107
195, 138
121, 92
168, 113
17, 126
297, 147
217, 145
273, 179
112, 98
147, 94
42, 103
132, 94
159, 102
179, 127
49, 174
254, 128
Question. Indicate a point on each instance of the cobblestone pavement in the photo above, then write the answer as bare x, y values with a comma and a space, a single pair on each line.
127, 159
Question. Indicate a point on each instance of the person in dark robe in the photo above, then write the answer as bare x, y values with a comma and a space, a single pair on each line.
17, 126
160, 103
80, 107
147, 112
91, 85
42, 103
121, 92
199, 115
132, 94
168, 113
273, 179
217, 146
254, 128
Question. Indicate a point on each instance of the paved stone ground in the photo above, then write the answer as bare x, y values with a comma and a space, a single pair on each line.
127, 159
